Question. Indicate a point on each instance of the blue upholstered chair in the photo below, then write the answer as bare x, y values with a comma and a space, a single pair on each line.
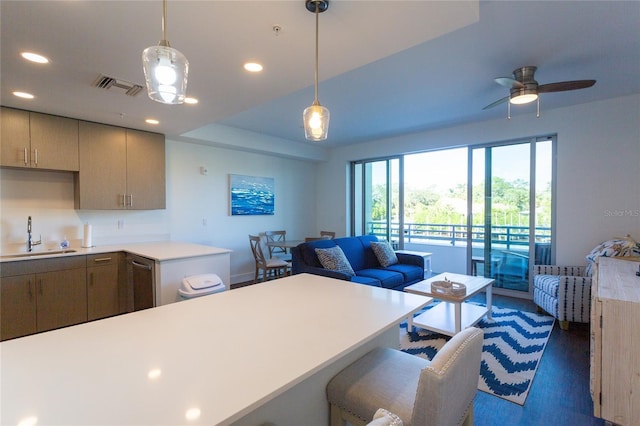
564, 292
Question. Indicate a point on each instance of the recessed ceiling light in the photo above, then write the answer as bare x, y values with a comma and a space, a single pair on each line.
34, 57
190, 101
152, 121
253, 67
23, 95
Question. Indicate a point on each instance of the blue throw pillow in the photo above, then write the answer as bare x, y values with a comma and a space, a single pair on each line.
334, 259
384, 253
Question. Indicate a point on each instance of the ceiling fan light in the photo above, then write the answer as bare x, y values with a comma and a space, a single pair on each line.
316, 122
523, 99
165, 72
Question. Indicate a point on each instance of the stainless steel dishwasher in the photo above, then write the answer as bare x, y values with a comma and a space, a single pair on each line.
141, 279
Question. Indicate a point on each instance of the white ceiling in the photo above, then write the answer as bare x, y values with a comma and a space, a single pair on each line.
386, 67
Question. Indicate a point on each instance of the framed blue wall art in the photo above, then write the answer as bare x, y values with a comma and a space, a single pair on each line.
251, 195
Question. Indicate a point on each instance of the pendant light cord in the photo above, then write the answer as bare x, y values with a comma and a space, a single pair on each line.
316, 69
164, 41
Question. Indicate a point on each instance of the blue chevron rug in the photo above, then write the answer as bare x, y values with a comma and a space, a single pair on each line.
514, 342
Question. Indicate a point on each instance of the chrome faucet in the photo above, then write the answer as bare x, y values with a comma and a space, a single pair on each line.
30, 242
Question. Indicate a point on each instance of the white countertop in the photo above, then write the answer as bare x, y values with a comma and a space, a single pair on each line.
160, 251
225, 354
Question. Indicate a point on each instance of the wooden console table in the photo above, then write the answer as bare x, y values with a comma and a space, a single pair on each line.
615, 341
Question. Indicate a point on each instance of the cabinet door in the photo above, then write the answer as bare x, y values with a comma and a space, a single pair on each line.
62, 298
18, 306
14, 137
102, 286
54, 142
146, 187
102, 180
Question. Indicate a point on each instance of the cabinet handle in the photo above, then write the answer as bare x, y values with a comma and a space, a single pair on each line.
29, 289
140, 265
26, 158
91, 279
40, 286
124, 200
102, 259
36, 156
130, 200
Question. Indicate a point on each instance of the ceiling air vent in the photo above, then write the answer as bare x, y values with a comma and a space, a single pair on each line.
105, 82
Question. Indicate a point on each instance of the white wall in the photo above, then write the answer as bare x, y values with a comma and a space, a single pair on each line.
191, 197
598, 180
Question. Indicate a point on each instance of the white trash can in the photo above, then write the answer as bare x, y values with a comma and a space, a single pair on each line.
200, 285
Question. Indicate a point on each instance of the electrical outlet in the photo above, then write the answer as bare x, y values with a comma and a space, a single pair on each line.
120, 224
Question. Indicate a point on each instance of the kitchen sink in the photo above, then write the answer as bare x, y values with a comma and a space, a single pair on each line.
37, 254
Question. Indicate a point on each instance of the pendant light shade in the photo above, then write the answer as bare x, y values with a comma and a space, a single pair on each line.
165, 69
316, 117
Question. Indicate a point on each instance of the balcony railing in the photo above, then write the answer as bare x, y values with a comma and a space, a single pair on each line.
509, 237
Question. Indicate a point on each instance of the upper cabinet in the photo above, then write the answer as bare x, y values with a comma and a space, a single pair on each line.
34, 140
120, 169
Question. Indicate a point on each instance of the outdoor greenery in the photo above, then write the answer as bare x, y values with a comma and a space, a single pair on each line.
510, 204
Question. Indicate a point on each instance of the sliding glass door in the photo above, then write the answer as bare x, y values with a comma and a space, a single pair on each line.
377, 184
511, 205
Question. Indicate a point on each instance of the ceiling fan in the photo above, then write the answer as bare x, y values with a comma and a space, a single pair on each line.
524, 88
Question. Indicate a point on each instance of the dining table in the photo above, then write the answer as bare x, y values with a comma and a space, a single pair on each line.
285, 244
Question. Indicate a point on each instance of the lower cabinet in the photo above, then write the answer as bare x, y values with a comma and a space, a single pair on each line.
61, 298
45, 294
41, 295
103, 285
18, 306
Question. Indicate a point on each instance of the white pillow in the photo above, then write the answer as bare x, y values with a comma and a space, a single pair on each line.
384, 253
383, 417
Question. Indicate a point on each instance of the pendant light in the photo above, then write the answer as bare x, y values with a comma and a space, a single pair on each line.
165, 69
316, 117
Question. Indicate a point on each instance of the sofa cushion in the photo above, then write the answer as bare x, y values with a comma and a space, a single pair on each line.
333, 258
384, 253
411, 273
387, 278
366, 280
352, 248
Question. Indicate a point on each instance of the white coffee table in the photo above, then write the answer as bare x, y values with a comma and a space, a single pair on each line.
452, 314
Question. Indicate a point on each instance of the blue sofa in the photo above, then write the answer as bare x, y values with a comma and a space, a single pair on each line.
408, 270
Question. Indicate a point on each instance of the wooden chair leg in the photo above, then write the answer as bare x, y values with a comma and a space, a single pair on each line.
335, 416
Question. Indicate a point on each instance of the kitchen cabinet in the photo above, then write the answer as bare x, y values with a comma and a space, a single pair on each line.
40, 295
35, 140
18, 306
103, 286
120, 169
615, 347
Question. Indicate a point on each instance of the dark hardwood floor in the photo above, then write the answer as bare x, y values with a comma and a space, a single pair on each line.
559, 394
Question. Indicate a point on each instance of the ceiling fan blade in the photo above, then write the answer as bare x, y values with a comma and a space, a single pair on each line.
498, 102
562, 86
508, 82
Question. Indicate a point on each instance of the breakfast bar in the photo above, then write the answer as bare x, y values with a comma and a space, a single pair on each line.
254, 355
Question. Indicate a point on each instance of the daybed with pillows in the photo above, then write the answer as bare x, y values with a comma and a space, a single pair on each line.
363, 260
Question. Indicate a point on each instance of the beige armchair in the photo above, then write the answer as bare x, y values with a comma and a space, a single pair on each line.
419, 392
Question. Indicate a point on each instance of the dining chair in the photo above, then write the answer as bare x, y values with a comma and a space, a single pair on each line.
271, 268
329, 234
274, 237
